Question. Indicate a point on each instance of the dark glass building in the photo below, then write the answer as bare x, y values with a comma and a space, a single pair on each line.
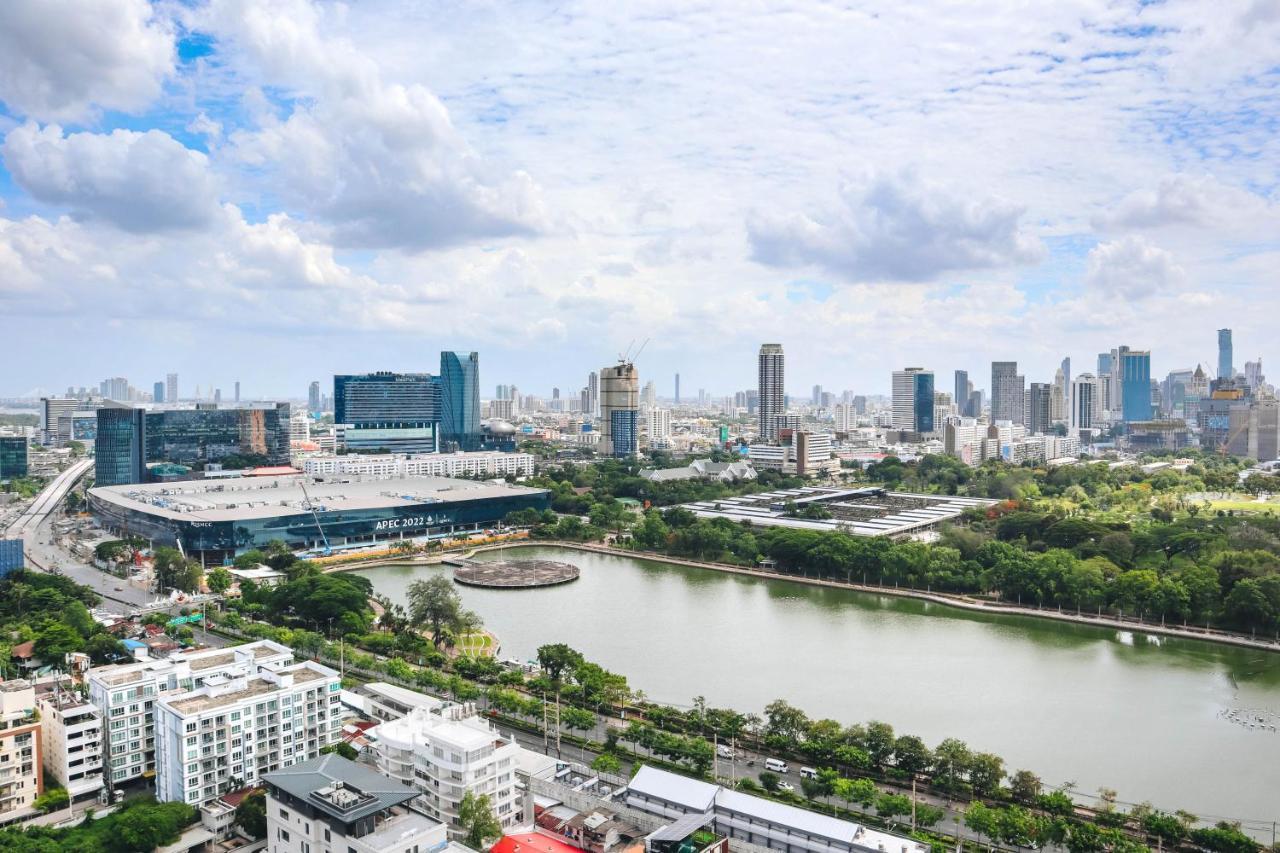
203, 435
225, 517
923, 402
120, 455
13, 456
10, 556
397, 412
460, 399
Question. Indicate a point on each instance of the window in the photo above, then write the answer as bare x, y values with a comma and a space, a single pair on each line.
284, 834
284, 815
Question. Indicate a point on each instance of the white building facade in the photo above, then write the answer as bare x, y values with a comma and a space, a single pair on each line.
446, 753
72, 740
236, 728
482, 463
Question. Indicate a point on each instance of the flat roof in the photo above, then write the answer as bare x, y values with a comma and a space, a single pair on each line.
256, 685
272, 497
320, 774
674, 788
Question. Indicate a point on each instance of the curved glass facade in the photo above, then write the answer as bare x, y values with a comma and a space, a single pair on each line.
301, 530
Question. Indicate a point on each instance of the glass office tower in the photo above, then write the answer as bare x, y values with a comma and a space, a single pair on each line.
120, 448
395, 412
13, 456
460, 399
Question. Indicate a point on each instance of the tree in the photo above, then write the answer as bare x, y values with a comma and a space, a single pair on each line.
218, 580
770, 781
52, 800
951, 761
986, 771
556, 659
860, 791
104, 649
149, 828
889, 806
983, 820
606, 762
435, 604
251, 815
479, 825
56, 640
341, 748
1024, 786
910, 755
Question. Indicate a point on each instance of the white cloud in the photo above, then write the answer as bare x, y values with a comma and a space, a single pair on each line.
1183, 200
378, 161
59, 62
896, 228
139, 182
1133, 269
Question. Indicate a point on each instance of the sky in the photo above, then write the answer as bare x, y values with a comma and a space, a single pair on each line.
274, 193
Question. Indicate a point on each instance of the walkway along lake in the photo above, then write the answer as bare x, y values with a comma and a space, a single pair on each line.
1156, 718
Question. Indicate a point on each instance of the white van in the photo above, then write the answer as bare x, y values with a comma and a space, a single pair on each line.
808, 773
724, 751
776, 766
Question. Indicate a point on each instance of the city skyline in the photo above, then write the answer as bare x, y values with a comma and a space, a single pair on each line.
238, 184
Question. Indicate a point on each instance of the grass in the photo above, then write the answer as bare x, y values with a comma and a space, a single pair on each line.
474, 644
1245, 506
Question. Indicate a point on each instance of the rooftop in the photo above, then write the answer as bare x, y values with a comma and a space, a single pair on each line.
532, 842
326, 782
257, 685
272, 497
861, 512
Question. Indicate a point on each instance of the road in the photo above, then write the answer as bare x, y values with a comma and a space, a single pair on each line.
34, 526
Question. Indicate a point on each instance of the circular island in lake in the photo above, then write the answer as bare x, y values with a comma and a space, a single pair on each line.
514, 574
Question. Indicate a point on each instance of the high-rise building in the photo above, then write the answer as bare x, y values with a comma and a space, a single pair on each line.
207, 434
846, 419
237, 398
313, 397
1086, 402
1135, 385
1226, 369
620, 410
659, 424
400, 412
157, 392
677, 389
649, 397
816, 399
460, 399
593, 394
1039, 413
1059, 395
1253, 374
961, 395
1006, 392
120, 448
771, 387
51, 409
913, 400
1065, 367
13, 456
232, 731
73, 739
115, 388
171, 388
126, 695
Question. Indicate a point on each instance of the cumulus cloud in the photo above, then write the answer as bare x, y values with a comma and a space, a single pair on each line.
1183, 200
896, 227
58, 64
139, 182
380, 162
1133, 269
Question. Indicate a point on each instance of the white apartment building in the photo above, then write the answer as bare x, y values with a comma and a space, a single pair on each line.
446, 753
658, 423
486, 463
332, 805
72, 739
391, 702
126, 695
846, 417
21, 774
238, 727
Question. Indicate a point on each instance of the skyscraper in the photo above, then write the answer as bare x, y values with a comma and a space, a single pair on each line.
913, 399
771, 387
1135, 385
120, 449
1006, 392
1066, 374
237, 390
460, 398
396, 411
313, 397
171, 388
961, 395
593, 394
1226, 370
1039, 413
677, 389
620, 410
1086, 402
157, 392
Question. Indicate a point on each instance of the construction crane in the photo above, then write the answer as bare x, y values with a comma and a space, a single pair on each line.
311, 506
625, 356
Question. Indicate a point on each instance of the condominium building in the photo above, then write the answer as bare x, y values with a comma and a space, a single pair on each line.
659, 424
620, 410
72, 741
238, 727
771, 387
126, 695
913, 400
487, 463
447, 752
21, 774
1007, 398
332, 805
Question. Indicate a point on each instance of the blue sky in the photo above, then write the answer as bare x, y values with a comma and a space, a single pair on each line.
275, 193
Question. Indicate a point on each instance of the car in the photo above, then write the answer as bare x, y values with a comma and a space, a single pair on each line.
787, 786
724, 751
119, 589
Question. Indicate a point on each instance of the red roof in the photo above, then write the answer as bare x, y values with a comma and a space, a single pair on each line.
24, 650
532, 842
272, 471
233, 798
